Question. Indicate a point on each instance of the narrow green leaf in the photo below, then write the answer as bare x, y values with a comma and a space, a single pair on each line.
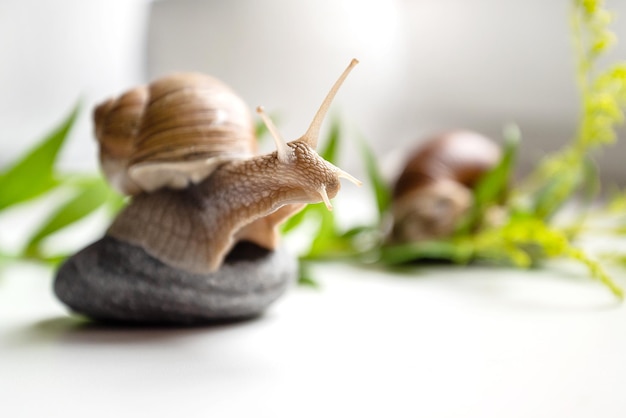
357, 230
555, 191
115, 202
6, 258
427, 250
326, 234
331, 148
295, 221
89, 197
50, 260
305, 278
308, 282
381, 190
492, 188
33, 175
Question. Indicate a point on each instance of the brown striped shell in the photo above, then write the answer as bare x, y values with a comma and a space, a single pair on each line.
434, 190
172, 132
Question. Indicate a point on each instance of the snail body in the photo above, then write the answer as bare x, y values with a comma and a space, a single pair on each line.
195, 134
183, 149
195, 228
434, 190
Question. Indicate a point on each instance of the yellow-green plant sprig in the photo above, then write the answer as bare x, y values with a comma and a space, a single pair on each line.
603, 99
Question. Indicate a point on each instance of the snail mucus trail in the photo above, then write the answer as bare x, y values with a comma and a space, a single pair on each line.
189, 213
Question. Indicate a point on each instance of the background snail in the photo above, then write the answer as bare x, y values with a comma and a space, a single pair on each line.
183, 148
434, 189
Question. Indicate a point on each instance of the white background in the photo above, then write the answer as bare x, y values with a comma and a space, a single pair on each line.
436, 343
425, 65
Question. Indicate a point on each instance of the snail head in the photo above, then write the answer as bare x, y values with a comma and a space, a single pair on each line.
317, 178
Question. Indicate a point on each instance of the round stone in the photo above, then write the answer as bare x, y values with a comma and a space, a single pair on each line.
112, 280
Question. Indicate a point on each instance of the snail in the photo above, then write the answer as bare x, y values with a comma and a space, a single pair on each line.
434, 190
183, 148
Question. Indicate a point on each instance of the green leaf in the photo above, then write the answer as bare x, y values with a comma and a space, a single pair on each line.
330, 150
295, 221
6, 258
91, 195
308, 282
381, 190
51, 260
33, 175
492, 188
556, 191
305, 278
426, 250
327, 237
115, 202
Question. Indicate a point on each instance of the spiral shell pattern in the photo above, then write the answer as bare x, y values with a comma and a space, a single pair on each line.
172, 132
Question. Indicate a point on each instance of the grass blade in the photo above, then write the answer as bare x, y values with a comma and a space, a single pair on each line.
33, 175
427, 250
91, 195
492, 187
379, 186
330, 150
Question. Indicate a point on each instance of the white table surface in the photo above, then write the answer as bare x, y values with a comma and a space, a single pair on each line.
442, 342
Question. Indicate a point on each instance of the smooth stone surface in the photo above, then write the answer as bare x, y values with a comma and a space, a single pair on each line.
111, 280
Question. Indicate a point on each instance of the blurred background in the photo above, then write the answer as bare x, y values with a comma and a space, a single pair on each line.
426, 66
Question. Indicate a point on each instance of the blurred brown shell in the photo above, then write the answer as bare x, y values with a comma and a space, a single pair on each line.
172, 132
434, 189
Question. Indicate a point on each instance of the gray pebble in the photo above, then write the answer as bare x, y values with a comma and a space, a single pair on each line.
111, 280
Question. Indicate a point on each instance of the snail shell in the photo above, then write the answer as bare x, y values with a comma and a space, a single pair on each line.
172, 132
184, 147
197, 240
434, 190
